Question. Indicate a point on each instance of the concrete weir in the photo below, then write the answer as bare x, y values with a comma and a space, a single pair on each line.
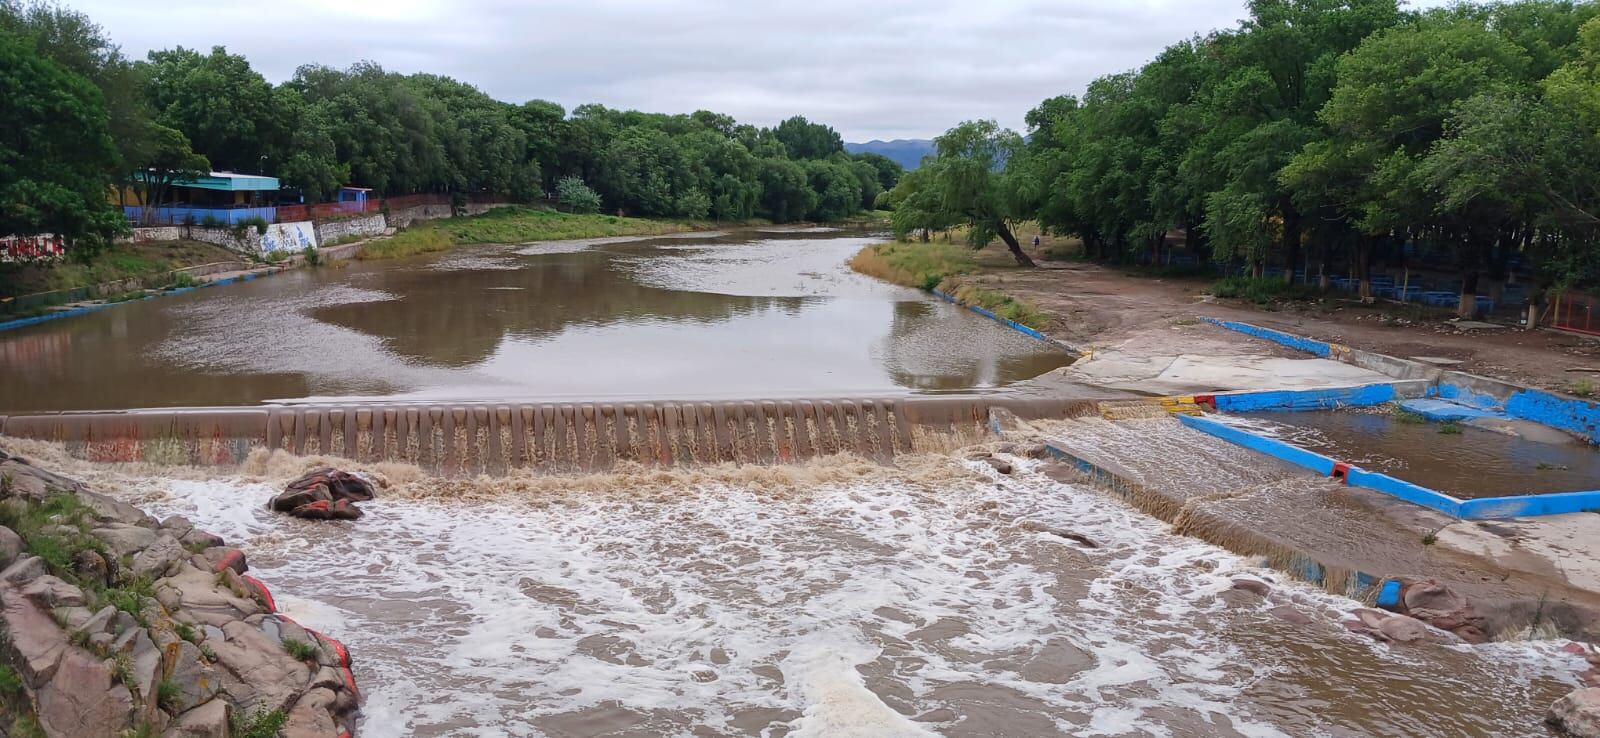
494, 438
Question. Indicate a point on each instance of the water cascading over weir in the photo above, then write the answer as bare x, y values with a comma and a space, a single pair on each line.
495, 438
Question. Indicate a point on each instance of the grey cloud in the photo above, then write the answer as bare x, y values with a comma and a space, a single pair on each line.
887, 69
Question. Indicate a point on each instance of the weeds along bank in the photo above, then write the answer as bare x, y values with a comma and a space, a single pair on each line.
118, 624
939, 266
511, 225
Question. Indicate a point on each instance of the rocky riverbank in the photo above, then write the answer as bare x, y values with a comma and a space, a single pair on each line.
118, 624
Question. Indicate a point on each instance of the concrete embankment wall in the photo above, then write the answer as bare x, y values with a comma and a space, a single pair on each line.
495, 438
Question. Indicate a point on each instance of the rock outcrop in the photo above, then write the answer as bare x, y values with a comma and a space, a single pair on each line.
118, 624
1577, 714
323, 494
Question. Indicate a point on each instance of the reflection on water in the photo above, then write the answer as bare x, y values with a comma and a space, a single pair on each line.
756, 314
1474, 463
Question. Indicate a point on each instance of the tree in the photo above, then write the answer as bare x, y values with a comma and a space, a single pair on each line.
56, 155
167, 159
227, 109
806, 140
969, 181
576, 196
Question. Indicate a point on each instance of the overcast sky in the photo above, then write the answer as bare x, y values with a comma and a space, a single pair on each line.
882, 69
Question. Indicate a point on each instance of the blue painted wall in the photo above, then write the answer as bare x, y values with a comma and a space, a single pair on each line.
1306, 399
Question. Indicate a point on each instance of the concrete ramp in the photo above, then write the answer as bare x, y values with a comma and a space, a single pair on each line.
493, 438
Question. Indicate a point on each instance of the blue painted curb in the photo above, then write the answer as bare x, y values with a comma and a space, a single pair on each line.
1320, 348
1305, 399
1580, 417
1273, 447
1012, 324
1493, 508
58, 315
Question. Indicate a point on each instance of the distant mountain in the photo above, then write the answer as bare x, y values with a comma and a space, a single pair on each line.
908, 152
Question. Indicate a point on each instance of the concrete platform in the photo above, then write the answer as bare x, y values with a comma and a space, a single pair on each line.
1204, 373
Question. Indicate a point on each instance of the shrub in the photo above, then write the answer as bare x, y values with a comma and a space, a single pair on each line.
167, 695
184, 279
576, 196
313, 257
1582, 388
1263, 290
210, 221
408, 242
920, 265
300, 650
255, 221
257, 724
10, 682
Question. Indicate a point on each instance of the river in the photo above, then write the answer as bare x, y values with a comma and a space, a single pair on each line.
744, 314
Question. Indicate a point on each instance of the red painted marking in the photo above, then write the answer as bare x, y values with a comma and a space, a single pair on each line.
228, 559
350, 679
272, 605
1341, 472
1210, 400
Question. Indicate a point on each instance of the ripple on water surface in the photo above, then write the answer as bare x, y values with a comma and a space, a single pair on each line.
885, 606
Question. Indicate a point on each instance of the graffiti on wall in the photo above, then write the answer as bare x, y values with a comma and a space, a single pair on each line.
289, 237
43, 247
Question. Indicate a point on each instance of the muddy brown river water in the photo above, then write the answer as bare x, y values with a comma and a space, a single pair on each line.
936, 597
745, 314
839, 600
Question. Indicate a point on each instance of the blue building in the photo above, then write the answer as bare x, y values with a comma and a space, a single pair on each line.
217, 198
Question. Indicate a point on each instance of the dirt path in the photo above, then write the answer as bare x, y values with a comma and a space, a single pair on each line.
1094, 306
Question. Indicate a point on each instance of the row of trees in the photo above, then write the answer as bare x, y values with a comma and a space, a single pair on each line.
1316, 130
82, 119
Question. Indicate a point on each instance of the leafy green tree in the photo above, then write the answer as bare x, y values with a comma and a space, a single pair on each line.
56, 155
576, 196
967, 181
227, 109
165, 160
786, 194
806, 140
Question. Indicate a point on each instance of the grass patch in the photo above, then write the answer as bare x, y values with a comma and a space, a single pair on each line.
1001, 304
257, 724
300, 650
10, 681
1430, 539
1582, 388
920, 265
1450, 428
410, 242
1263, 290
167, 695
149, 263
521, 225
1402, 415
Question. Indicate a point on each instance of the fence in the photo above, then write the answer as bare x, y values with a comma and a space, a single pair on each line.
1574, 312
232, 216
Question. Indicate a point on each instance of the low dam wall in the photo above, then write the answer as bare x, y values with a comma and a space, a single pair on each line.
493, 438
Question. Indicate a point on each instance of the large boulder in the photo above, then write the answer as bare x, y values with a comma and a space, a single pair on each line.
324, 494
209, 720
35, 643
196, 680
83, 700
257, 672
158, 560
1577, 714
